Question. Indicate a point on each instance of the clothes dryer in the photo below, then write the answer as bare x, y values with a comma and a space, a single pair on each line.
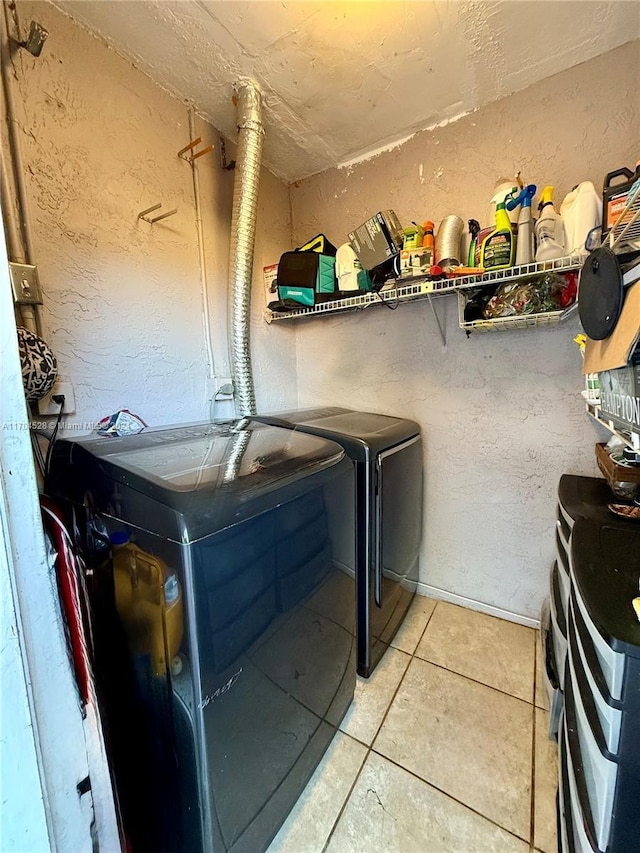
387, 454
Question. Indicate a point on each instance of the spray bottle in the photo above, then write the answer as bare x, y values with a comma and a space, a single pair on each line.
524, 250
503, 187
499, 247
549, 229
474, 230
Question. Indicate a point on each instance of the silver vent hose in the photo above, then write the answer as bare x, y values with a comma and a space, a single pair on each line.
238, 447
243, 232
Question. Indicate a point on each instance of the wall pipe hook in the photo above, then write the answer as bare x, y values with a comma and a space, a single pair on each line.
144, 214
187, 154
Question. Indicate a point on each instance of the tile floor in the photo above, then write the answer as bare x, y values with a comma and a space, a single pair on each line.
444, 750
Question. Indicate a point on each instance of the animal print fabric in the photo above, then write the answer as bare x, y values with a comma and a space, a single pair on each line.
39, 365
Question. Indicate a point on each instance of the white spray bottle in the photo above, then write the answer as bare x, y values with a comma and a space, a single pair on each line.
549, 229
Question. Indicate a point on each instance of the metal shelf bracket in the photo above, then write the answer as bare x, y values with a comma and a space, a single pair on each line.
144, 214
187, 154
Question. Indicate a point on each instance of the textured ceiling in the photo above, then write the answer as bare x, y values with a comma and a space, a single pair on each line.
343, 79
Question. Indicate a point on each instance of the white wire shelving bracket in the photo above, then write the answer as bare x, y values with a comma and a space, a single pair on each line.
410, 290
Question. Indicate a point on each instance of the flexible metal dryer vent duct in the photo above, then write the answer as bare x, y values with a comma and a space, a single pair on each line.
243, 232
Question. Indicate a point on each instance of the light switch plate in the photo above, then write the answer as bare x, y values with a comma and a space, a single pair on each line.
25, 284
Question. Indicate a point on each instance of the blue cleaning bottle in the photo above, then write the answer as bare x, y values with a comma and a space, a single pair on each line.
524, 247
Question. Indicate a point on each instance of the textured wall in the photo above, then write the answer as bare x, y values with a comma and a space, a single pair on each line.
123, 299
501, 413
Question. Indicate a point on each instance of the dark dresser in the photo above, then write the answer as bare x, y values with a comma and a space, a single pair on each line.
592, 657
578, 497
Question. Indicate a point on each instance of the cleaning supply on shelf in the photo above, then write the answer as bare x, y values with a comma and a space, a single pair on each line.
449, 242
503, 188
581, 212
474, 230
549, 229
524, 247
482, 236
428, 240
498, 249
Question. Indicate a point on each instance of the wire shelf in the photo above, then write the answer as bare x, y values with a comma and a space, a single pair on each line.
632, 438
522, 273
422, 287
402, 293
500, 324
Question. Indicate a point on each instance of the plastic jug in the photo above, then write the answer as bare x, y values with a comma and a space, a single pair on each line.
148, 599
581, 211
614, 194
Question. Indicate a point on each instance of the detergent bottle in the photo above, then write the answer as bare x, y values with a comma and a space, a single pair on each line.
148, 599
524, 249
549, 229
499, 246
581, 212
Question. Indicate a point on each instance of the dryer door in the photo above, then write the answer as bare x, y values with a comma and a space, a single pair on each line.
398, 517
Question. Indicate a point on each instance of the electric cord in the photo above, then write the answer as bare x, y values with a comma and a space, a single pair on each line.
390, 305
378, 281
57, 398
37, 453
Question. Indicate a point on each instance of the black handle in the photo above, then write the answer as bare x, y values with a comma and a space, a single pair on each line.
377, 562
617, 173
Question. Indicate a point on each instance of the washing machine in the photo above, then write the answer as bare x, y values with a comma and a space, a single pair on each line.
387, 455
223, 619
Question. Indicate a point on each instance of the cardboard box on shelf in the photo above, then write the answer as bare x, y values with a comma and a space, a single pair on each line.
616, 350
270, 275
377, 239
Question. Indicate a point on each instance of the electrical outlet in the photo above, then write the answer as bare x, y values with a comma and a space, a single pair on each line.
47, 405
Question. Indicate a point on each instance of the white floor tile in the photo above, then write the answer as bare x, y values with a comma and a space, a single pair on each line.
373, 696
498, 653
470, 741
391, 811
308, 826
411, 630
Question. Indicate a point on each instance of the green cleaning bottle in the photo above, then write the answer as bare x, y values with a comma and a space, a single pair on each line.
499, 247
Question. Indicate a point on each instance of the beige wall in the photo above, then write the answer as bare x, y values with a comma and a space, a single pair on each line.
501, 413
123, 299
